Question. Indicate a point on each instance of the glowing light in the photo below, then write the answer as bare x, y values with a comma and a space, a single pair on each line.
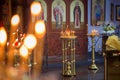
30, 41
8, 43
40, 28
94, 32
35, 8
15, 20
23, 51
16, 43
3, 36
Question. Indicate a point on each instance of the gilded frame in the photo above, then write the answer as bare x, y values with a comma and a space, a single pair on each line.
58, 25
73, 6
97, 11
118, 12
112, 12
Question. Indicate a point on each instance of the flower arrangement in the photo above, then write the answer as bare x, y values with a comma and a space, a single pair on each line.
108, 27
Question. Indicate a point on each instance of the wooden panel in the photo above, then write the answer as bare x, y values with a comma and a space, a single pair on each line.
112, 65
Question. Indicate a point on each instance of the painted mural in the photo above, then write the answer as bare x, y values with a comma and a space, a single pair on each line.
77, 14
97, 11
43, 16
58, 14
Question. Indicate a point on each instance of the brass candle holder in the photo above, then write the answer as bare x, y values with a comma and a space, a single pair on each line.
68, 50
93, 65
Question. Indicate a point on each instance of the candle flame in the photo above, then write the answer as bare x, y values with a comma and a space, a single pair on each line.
3, 36
35, 8
94, 32
15, 20
23, 51
40, 28
30, 41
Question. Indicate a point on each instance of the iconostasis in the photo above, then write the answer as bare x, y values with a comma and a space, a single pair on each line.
60, 14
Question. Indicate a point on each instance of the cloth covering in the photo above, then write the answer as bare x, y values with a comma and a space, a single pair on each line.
113, 43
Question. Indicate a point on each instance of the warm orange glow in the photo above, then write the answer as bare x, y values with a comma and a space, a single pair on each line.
30, 41
16, 43
36, 8
15, 20
3, 36
23, 51
94, 32
40, 28
7, 43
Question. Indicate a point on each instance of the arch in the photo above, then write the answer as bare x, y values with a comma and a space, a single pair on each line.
54, 4
44, 8
58, 13
81, 11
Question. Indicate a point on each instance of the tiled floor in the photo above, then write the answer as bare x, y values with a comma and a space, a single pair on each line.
82, 73
53, 71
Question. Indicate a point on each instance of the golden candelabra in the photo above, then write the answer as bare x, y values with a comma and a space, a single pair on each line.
68, 50
93, 65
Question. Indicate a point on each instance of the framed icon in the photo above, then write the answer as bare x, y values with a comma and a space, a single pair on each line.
118, 12
97, 11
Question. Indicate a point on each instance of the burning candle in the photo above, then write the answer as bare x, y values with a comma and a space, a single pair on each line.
3, 36
30, 41
40, 28
68, 33
3, 40
15, 22
24, 56
36, 8
93, 32
72, 32
23, 51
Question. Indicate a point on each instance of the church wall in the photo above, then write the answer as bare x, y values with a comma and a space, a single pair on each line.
53, 43
99, 28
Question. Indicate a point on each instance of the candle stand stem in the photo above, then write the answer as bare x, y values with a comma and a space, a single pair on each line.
93, 66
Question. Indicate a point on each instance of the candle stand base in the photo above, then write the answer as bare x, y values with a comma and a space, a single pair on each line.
93, 67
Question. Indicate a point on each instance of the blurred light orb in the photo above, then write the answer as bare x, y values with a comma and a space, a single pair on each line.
15, 20
36, 8
23, 51
30, 41
40, 28
3, 36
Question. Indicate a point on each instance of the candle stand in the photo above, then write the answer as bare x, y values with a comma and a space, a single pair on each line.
68, 54
93, 65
